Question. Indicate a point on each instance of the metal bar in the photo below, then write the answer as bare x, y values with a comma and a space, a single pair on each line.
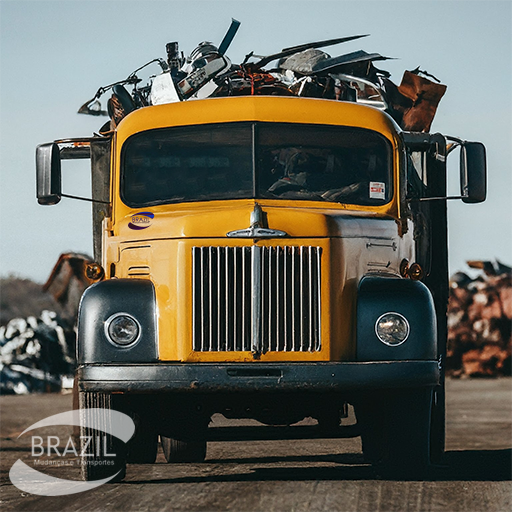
278, 295
235, 300
274, 433
84, 199
226, 297
243, 299
319, 299
254, 161
311, 299
271, 292
263, 295
210, 297
285, 297
202, 311
230, 34
256, 298
194, 297
219, 295
293, 298
301, 297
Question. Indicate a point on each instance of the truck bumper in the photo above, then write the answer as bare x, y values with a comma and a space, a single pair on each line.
271, 377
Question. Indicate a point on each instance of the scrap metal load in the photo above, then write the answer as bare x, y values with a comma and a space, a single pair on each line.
480, 322
302, 70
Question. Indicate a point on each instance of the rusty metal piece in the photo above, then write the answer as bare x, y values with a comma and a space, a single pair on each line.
479, 321
115, 110
68, 280
425, 96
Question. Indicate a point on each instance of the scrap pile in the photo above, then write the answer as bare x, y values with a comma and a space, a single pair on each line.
67, 283
480, 321
36, 354
302, 70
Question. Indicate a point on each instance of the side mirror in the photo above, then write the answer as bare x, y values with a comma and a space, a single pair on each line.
48, 178
473, 172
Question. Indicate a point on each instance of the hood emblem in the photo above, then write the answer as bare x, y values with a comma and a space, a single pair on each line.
258, 228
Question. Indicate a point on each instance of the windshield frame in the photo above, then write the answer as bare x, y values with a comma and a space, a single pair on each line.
255, 126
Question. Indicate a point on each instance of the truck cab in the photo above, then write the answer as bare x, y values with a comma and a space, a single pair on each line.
272, 258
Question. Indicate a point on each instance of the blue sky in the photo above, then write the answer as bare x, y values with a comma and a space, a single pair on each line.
54, 55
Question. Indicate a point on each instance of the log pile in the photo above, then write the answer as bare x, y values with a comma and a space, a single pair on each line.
480, 321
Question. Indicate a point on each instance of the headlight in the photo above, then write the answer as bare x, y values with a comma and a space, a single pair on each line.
122, 329
392, 329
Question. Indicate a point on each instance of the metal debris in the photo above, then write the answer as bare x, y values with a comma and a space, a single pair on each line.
36, 354
480, 322
302, 70
68, 281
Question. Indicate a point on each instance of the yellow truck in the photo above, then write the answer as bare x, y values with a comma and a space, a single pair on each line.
272, 257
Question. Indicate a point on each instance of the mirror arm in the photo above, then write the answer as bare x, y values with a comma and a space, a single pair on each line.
421, 199
85, 199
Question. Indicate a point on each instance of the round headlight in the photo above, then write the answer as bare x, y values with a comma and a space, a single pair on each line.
122, 329
392, 329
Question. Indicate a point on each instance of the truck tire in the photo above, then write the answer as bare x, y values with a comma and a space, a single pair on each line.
96, 465
438, 430
143, 446
396, 432
178, 450
370, 419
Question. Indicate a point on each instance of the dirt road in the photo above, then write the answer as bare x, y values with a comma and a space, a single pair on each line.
308, 475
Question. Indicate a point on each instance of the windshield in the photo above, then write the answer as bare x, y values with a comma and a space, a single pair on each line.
256, 160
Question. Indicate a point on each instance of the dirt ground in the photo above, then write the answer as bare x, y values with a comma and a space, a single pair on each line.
290, 475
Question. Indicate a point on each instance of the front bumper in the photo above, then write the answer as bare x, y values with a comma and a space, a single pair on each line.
233, 377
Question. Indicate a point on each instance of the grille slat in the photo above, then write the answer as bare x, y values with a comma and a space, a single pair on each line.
259, 299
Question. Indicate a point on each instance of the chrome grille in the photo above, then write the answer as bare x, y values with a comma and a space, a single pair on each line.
257, 299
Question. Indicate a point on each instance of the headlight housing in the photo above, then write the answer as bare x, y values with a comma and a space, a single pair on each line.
122, 329
392, 329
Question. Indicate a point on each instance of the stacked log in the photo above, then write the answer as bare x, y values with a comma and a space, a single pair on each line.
480, 321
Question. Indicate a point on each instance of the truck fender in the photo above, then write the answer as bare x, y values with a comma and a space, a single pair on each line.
378, 295
103, 301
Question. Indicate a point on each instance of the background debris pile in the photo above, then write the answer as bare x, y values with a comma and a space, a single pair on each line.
36, 354
37, 346
67, 283
480, 321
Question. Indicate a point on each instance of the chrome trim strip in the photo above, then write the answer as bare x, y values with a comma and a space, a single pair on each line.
256, 298
256, 233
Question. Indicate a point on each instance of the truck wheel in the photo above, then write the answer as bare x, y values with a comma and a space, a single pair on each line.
178, 450
438, 430
396, 430
143, 446
95, 465
370, 418
407, 434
